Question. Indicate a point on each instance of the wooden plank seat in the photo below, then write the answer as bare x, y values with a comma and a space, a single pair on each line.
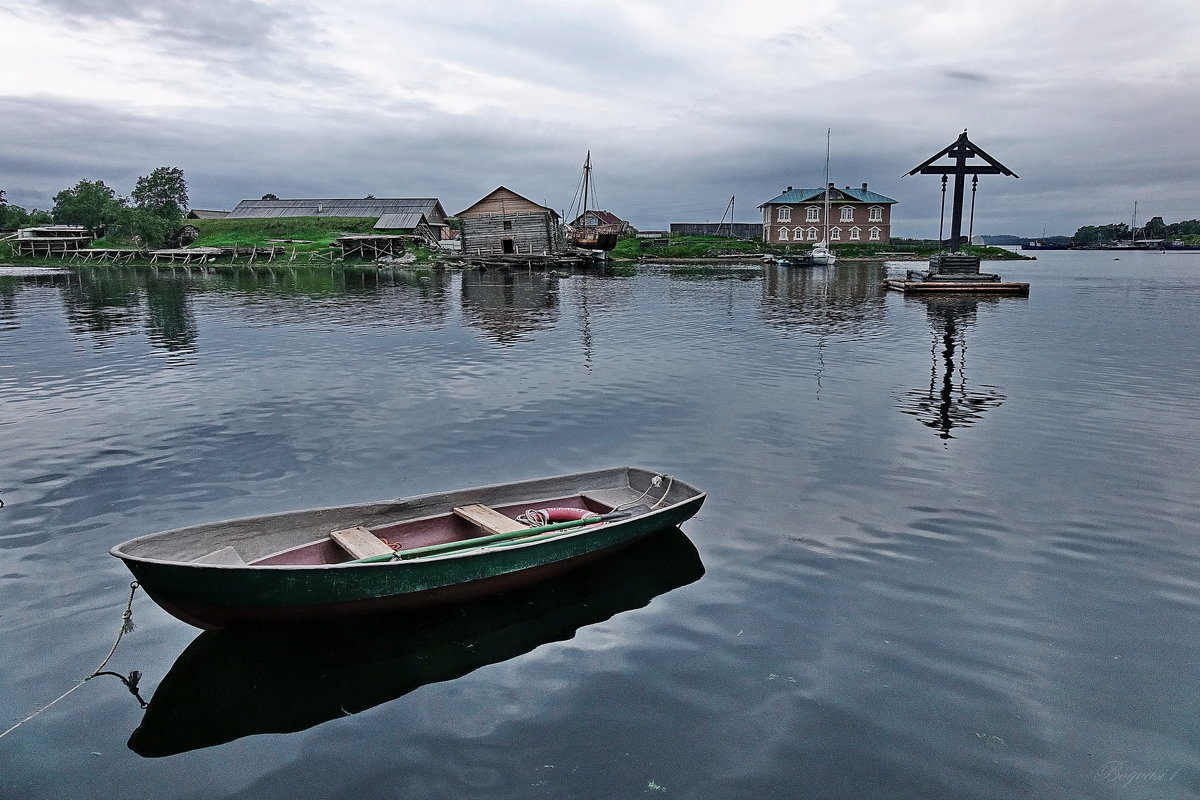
489, 519
359, 542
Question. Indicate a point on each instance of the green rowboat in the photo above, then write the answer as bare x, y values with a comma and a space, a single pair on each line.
382, 557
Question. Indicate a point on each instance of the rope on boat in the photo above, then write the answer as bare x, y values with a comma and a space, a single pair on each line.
655, 481
130, 682
538, 518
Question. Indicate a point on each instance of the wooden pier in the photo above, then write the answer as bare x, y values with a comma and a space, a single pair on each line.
200, 255
532, 261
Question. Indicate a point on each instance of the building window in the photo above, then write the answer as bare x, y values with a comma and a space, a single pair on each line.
785, 214
876, 214
814, 214
855, 234
812, 234
835, 235
847, 213
508, 224
783, 234
874, 234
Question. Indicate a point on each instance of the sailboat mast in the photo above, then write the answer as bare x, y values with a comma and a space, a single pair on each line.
587, 179
1133, 225
825, 238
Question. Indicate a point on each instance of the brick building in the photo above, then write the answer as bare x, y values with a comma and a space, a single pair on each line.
855, 215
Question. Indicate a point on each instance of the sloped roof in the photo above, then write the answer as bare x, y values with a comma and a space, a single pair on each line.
201, 213
503, 196
401, 222
602, 217
836, 195
338, 207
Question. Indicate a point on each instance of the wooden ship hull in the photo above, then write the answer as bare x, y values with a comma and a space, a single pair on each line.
592, 239
383, 557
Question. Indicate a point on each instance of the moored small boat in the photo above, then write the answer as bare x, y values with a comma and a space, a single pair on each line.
821, 256
230, 684
380, 557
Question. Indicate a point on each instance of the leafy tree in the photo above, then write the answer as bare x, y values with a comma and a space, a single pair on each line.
1155, 229
88, 203
9, 215
151, 229
1189, 227
162, 193
269, 196
12, 217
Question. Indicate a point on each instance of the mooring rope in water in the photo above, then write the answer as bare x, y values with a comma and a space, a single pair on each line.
130, 682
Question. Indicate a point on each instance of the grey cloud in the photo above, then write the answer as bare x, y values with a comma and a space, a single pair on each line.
232, 37
966, 76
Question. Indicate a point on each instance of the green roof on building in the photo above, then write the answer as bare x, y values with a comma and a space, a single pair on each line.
836, 195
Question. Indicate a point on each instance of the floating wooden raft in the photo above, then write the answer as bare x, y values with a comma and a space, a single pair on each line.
977, 287
955, 272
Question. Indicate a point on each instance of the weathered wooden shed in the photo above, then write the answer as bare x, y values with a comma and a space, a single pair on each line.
505, 223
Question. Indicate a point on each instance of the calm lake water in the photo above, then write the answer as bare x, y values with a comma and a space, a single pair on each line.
951, 547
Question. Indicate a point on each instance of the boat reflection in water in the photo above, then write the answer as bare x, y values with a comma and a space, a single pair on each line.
949, 403
227, 685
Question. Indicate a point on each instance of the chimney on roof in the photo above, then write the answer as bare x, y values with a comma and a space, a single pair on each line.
831, 185
788, 189
864, 186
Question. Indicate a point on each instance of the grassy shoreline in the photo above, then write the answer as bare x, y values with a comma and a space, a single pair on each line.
718, 248
308, 242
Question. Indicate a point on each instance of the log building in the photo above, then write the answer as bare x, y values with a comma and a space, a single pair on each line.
505, 223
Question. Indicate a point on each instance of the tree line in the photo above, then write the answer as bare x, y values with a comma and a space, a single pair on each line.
151, 215
1156, 228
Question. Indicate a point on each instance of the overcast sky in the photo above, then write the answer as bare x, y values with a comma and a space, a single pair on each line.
1094, 104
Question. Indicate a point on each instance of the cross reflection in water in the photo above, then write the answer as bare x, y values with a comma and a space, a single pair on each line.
948, 402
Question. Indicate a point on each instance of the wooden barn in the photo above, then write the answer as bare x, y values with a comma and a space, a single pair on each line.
390, 213
505, 223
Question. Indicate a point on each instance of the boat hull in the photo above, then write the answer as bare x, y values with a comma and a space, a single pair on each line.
595, 241
221, 596
230, 684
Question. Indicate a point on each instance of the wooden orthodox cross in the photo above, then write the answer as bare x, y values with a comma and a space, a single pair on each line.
961, 150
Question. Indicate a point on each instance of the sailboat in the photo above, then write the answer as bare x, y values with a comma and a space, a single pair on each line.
1133, 243
590, 233
821, 254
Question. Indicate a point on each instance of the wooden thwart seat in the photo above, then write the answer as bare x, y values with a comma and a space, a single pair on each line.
360, 542
489, 519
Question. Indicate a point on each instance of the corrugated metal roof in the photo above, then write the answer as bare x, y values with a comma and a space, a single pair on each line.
400, 222
336, 207
818, 195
